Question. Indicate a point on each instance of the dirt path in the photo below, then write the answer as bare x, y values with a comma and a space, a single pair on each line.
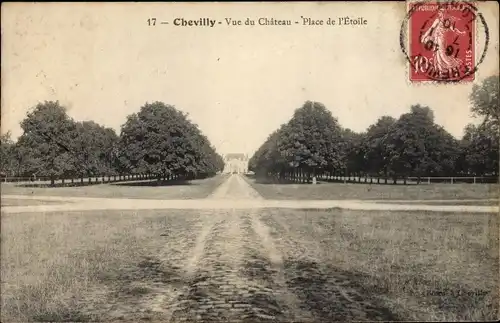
269, 250
235, 274
234, 193
223, 268
233, 266
234, 278
229, 263
235, 188
229, 204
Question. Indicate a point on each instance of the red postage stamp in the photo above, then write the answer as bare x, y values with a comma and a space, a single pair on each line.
442, 41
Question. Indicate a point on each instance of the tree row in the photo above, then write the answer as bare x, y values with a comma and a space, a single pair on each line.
314, 144
159, 140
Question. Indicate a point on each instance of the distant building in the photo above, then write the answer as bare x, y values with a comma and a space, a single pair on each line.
236, 163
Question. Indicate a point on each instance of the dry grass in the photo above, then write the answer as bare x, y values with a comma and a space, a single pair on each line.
340, 191
195, 189
427, 266
50, 261
452, 202
19, 202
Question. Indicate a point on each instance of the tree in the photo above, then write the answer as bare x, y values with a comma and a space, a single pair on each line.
484, 99
93, 149
261, 161
419, 147
480, 150
160, 140
309, 144
46, 141
7, 158
480, 144
317, 136
353, 151
376, 153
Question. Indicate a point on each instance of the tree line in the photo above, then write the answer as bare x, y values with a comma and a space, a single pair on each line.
314, 144
159, 140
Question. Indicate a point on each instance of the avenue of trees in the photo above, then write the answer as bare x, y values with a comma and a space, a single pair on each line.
314, 144
159, 141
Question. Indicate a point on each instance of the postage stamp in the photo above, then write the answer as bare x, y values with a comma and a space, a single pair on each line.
249, 162
442, 41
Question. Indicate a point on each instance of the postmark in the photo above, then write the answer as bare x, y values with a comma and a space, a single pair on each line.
441, 38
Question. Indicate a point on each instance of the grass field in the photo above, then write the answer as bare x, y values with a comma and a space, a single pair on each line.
427, 265
117, 265
19, 202
443, 202
341, 191
195, 189
50, 260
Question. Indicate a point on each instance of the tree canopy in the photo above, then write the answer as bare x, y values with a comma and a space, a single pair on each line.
413, 145
160, 140
157, 140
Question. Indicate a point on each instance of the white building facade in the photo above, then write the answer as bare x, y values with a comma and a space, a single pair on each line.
236, 163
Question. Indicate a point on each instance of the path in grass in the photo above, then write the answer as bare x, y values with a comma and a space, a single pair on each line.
232, 260
237, 193
83, 204
229, 268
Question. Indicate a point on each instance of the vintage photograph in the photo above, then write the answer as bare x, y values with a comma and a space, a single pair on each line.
250, 162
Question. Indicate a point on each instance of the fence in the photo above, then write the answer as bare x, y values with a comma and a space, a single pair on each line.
78, 181
423, 180
378, 180
456, 180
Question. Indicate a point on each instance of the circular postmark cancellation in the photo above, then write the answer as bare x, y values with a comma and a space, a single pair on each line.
441, 38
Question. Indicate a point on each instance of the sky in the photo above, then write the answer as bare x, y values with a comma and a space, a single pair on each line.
238, 83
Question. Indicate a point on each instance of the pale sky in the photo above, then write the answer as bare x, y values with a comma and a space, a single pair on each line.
238, 83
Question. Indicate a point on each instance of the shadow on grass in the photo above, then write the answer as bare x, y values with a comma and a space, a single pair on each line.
326, 292
271, 181
157, 183
266, 180
61, 185
332, 294
338, 295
